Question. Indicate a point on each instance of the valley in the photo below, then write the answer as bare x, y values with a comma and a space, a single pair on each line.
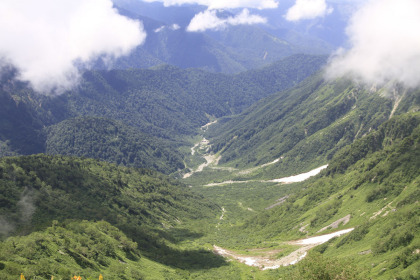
209, 140
256, 213
231, 214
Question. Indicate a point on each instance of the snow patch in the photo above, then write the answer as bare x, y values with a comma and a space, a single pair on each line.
300, 177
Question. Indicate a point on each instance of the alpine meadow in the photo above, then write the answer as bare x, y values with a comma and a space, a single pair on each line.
205, 139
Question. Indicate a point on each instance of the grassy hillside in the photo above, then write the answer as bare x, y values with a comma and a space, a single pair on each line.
305, 126
155, 228
374, 182
73, 248
39, 189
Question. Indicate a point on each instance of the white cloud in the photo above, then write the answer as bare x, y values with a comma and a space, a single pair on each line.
175, 27
45, 38
172, 27
308, 9
208, 20
223, 4
385, 39
159, 29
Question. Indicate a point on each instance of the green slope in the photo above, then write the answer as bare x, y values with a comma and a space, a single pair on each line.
35, 190
375, 180
304, 126
74, 248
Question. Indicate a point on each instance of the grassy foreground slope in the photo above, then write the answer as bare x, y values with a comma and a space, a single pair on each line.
142, 204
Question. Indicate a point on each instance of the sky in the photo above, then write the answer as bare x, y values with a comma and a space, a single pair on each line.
385, 44
46, 39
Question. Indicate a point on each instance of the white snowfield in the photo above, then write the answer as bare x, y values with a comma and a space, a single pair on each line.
301, 177
322, 238
286, 180
266, 262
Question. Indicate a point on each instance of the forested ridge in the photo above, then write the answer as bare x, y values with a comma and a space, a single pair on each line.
112, 141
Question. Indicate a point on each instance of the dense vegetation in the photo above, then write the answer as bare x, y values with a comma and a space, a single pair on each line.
36, 190
112, 141
73, 248
170, 102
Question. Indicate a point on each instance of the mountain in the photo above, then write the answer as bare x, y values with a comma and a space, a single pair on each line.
231, 50
168, 103
305, 126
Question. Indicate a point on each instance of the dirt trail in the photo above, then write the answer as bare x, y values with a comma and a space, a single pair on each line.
210, 159
203, 145
250, 170
267, 261
221, 217
337, 223
278, 202
397, 97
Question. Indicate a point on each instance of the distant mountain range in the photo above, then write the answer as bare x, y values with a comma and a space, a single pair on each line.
230, 50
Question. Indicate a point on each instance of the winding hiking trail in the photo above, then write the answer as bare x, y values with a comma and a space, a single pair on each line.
267, 261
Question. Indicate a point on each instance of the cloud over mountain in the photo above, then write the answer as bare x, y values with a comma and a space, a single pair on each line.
44, 39
208, 20
223, 4
308, 9
385, 44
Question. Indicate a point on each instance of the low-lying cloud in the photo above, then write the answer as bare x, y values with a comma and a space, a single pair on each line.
223, 4
208, 20
308, 9
385, 44
44, 39
172, 27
